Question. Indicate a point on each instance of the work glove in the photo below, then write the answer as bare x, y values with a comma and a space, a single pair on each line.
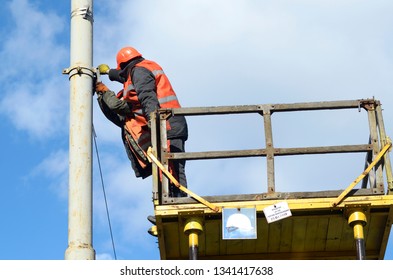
101, 88
104, 69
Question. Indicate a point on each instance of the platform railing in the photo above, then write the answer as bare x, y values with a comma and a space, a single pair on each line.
373, 183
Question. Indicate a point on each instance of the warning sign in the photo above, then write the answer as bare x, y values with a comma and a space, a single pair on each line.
277, 212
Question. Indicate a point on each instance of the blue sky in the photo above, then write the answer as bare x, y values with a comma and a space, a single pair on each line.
215, 53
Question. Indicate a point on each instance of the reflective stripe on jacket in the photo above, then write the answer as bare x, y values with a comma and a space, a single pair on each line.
166, 96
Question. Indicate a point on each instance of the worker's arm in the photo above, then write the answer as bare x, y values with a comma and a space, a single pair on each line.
113, 74
145, 87
110, 114
116, 105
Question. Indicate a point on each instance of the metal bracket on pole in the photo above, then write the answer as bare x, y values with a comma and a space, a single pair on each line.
79, 70
85, 12
358, 179
177, 184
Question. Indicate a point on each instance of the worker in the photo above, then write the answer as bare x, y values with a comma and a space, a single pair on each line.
145, 89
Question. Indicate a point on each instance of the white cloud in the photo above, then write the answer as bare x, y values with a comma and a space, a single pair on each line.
39, 109
55, 168
32, 49
35, 94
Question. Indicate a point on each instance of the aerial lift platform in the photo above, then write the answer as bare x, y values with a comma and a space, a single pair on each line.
348, 223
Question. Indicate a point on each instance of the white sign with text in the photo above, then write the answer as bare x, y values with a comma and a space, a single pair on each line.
277, 212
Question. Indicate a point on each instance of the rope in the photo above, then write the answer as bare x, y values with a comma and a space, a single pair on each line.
364, 174
103, 190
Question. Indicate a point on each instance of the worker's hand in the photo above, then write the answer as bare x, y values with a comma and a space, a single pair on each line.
104, 69
101, 88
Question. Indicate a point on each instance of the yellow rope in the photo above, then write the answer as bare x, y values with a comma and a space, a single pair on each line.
361, 176
177, 184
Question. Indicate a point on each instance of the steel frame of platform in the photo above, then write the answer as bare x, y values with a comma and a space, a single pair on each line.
360, 222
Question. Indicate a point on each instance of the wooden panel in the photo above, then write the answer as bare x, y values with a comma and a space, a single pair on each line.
374, 237
299, 233
212, 236
334, 234
171, 240
311, 234
347, 242
263, 236
287, 229
274, 237
320, 242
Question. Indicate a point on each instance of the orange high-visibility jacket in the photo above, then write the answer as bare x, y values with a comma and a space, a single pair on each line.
163, 96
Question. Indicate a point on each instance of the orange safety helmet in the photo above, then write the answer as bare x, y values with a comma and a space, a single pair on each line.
126, 54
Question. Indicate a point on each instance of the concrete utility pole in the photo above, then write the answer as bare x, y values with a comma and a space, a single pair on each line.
80, 147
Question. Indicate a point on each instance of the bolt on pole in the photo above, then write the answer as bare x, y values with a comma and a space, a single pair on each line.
80, 146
